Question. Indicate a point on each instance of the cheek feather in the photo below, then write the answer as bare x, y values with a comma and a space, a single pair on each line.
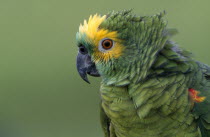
115, 53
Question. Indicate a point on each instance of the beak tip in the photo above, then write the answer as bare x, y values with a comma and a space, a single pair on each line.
83, 75
86, 80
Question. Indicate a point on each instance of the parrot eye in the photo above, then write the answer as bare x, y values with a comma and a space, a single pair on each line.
107, 44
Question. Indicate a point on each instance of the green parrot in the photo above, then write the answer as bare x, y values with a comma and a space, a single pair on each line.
150, 87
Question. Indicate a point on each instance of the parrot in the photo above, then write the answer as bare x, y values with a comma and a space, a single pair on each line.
150, 87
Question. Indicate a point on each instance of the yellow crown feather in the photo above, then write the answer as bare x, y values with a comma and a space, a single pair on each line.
91, 27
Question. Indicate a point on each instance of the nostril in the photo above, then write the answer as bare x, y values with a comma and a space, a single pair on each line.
82, 50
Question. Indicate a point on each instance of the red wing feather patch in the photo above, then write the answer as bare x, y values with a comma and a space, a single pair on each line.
194, 95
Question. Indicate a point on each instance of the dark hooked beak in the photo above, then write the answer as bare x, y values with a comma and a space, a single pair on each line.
86, 66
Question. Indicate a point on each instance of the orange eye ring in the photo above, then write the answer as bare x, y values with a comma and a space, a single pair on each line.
107, 44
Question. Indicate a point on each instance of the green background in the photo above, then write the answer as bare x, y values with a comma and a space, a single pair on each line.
41, 94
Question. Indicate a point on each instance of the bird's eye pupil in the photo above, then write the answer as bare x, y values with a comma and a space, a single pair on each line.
107, 44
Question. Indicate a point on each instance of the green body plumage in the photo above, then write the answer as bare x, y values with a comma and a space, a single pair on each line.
144, 92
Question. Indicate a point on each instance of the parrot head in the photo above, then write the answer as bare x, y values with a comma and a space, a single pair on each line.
119, 45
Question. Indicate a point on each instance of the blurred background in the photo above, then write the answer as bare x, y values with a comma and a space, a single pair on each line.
41, 94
